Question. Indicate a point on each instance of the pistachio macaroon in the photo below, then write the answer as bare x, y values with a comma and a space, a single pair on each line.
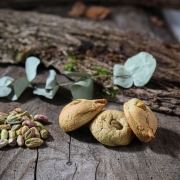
79, 112
110, 128
141, 119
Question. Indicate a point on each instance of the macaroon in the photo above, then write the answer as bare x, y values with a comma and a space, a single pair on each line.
141, 119
79, 112
111, 128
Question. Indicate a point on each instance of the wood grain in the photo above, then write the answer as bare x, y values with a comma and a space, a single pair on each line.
77, 155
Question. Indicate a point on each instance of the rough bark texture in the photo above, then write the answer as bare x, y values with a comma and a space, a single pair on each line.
32, 3
77, 155
53, 38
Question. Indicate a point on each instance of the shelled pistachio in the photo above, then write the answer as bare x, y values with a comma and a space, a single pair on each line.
22, 128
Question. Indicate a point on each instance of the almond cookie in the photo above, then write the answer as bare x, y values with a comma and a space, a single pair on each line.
111, 128
141, 119
79, 112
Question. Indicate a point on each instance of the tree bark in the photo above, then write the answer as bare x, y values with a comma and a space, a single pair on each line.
53, 38
21, 4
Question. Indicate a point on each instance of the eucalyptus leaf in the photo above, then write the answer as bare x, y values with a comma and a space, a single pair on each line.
5, 91
82, 89
42, 91
6, 81
77, 74
31, 67
51, 80
122, 77
19, 86
142, 67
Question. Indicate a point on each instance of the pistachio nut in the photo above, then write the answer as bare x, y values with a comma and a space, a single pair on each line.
44, 133
3, 114
141, 105
19, 131
3, 117
12, 141
20, 140
29, 123
36, 134
12, 133
31, 117
33, 142
16, 111
29, 134
14, 120
3, 142
4, 134
15, 127
40, 118
5, 126
24, 129
25, 118
38, 124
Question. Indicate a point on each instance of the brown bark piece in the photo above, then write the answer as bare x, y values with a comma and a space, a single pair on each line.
97, 12
77, 10
53, 39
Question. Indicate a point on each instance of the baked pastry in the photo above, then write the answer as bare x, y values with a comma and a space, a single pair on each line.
79, 112
111, 128
141, 119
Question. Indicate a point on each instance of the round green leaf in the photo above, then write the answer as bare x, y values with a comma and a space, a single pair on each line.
42, 91
142, 67
51, 80
5, 91
6, 81
82, 89
19, 86
121, 76
31, 67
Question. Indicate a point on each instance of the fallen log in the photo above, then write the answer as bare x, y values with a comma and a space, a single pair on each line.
53, 39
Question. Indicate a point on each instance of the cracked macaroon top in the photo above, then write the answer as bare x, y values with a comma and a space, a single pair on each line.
79, 112
111, 128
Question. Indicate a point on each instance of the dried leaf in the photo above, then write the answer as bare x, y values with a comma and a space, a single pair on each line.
77, 10
97, 12
158, 22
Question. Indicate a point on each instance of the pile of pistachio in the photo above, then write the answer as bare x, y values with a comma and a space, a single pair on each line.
21, 128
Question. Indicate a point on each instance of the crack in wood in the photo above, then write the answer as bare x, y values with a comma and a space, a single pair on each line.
69, 158
74, 171
96, 170
137, 174
35, 168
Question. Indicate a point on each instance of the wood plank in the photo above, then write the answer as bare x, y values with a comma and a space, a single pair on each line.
77, 155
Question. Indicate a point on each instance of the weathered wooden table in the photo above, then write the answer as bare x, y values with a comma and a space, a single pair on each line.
78, 155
